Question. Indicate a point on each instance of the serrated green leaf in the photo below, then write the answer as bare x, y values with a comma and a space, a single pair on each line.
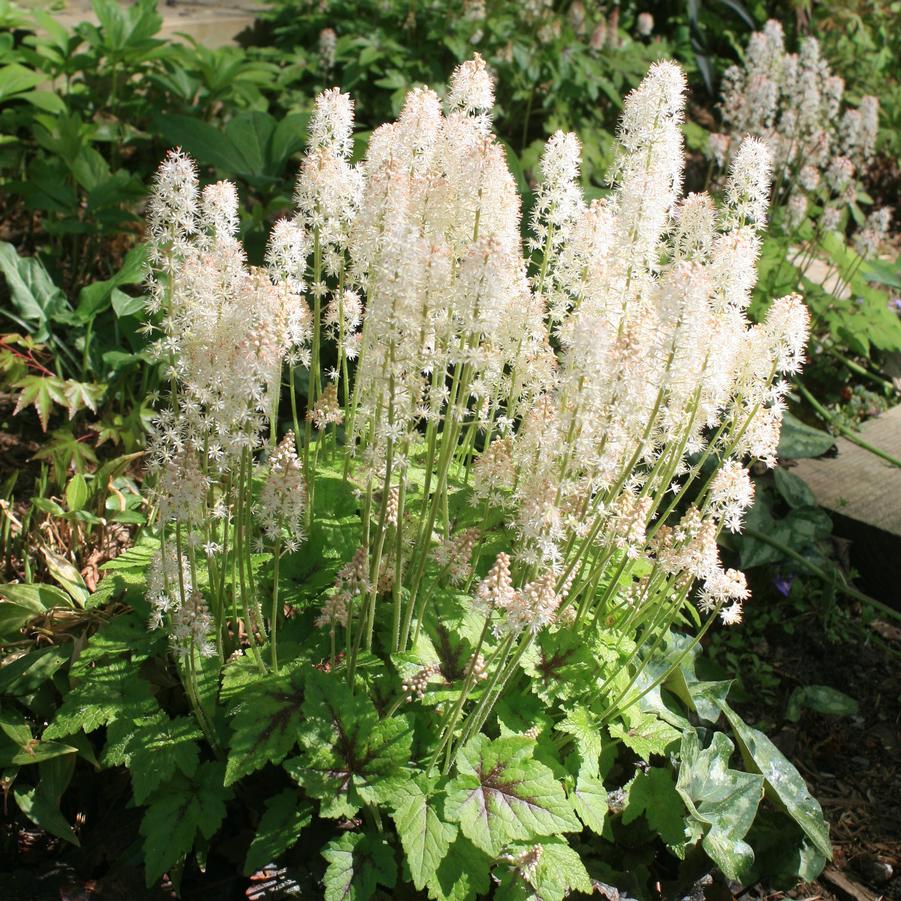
582, 724
463, 874
653, 794
589, 798
113, 691
557, 872
783, 782
646, 735
154, 751
357, 862
178, 813
284, 818
40, 392
349, 755
265, 724
422, 833
502, 795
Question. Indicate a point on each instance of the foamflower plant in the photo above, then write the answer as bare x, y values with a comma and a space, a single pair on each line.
437, 509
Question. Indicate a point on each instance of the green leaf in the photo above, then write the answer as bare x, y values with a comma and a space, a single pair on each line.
646, 734
422, 833
14, 79
821, 699
265, 724
68, 576
284, 818
113, 691
178, 813
557, 873
154, 751
720, 799
77, 492
40, 392
799, 440
784, 783
794, 490
357, 862
463, 875
501, 795
24, 602
589, 798
41, 804
36, 299
582, 724
349, 755
653, 794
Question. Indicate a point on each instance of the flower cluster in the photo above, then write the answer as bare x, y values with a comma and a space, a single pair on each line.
794, 103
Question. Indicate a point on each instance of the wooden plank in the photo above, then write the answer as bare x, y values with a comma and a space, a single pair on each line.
858, 484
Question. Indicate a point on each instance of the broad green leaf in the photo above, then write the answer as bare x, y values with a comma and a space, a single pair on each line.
357, 862
41, 804
653, 794
284, 818
645, 734
77, 492
783, 781
821, 699
720, 800
500, 795
799, 440
113, 691
555, 872
178, 813
14, 79
154, 751
463, 874
589, 798
349, 755
36, 299
265, 724
68, 576
794, 490
422, 833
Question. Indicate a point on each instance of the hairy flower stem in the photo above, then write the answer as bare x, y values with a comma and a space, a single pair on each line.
273, 626
451, 724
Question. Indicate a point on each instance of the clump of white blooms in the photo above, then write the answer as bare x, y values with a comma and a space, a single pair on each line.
283, 496
577, 389
793, 103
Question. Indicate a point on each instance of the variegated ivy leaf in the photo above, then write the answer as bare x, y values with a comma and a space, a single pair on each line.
501, 795
720, 800
782, 779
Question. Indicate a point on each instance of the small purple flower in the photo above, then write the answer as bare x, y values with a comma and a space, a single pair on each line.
783, 583
895, 305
